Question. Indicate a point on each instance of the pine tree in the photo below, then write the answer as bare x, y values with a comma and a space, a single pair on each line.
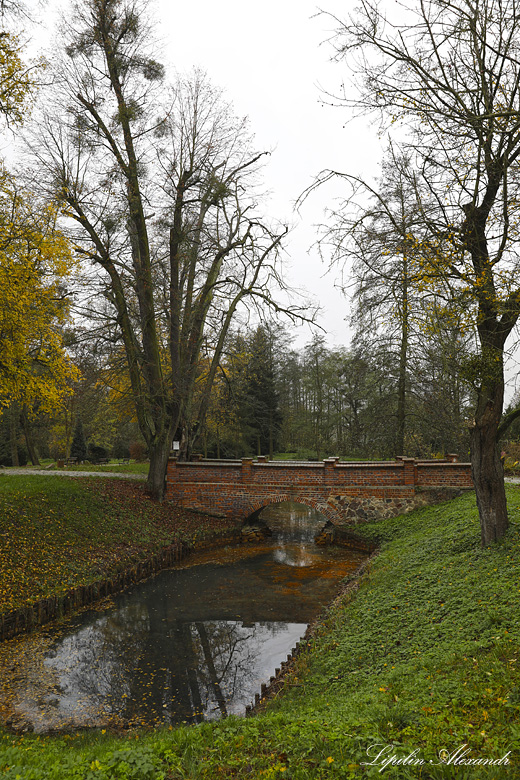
260, 410
78, 447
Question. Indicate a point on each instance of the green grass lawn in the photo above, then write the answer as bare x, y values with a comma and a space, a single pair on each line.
60, 532
423, 657
115, 467
306, 455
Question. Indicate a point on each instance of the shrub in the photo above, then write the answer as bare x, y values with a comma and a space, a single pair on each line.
6, 460
97, 453
120, 448
137, 450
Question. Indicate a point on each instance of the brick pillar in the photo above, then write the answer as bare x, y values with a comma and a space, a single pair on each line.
408, 471
247, 469
453, 457
328, 471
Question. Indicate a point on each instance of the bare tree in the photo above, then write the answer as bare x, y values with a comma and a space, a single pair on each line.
160, 185
376, 230
378, 235
448, 73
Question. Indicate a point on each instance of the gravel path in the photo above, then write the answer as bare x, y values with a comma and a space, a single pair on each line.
65, 473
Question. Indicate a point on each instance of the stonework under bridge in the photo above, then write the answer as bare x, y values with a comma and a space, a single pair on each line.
344, 492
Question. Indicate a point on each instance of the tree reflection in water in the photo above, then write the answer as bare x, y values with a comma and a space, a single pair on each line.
117, 671
193, 643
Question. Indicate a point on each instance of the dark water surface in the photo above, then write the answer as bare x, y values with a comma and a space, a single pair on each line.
192, 643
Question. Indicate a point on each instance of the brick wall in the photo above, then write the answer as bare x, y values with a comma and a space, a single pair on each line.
445, 474
349, 492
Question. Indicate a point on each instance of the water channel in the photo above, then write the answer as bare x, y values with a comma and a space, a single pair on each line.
190, 644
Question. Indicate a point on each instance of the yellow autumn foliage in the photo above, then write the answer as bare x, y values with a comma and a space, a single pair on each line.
17, 79
35, 260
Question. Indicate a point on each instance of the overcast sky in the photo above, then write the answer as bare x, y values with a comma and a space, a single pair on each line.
272, 58
272, 61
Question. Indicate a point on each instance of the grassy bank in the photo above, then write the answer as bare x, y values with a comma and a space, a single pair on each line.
424, 657
60, 532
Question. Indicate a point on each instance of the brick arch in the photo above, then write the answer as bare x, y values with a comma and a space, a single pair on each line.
262, 502
254, 505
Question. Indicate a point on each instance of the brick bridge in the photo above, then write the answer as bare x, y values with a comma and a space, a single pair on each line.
343, 492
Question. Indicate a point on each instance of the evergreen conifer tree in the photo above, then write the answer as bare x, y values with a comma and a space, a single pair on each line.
78, 448
261, 412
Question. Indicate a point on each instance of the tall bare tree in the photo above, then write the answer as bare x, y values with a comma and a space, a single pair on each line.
160, 184
447, 72
373, 235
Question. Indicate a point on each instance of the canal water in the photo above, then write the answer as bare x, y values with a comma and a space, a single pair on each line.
190, 644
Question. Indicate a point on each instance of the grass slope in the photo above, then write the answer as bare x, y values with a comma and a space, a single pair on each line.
60, 532
424, 657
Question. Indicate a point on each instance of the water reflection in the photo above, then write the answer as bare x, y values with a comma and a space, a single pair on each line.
193, 643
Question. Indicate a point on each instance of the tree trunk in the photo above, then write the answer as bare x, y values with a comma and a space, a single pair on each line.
493, 330
403, 363
208, 657
185, 442
13, 434
487, 470
31, 449
159, 452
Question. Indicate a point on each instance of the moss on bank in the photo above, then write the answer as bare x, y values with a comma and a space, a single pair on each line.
422, 658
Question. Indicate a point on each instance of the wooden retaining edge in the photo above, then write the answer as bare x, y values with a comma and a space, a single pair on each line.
25, 619
346, 538
277, 682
